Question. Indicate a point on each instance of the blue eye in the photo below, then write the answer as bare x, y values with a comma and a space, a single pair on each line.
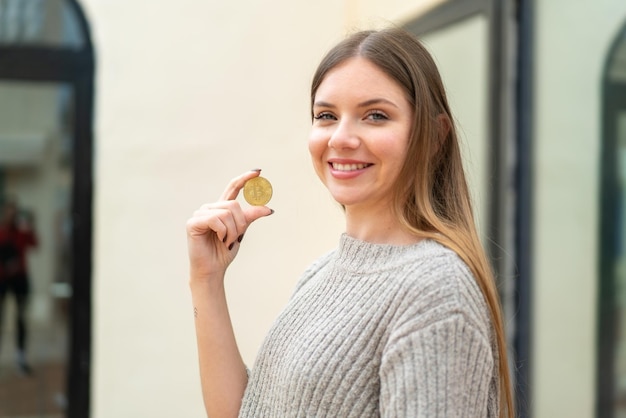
324, 116
377, 115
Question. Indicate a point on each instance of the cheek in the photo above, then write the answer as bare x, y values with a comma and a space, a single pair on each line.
317, 145
392, 148
392, 151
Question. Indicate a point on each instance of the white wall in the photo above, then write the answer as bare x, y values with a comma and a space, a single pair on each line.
374, 13
189, 95
572, 41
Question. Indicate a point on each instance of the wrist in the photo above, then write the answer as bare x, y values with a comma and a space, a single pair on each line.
206, 282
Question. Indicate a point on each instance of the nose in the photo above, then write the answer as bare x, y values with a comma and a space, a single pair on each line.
345, 136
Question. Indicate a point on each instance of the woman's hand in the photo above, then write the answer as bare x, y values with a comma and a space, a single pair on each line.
215, 231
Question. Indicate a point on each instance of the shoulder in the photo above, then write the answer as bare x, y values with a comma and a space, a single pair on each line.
435, 268
436, 286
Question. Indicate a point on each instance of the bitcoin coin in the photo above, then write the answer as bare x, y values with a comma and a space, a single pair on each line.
257, 191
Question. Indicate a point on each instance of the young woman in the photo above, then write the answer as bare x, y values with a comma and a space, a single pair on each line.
403, 318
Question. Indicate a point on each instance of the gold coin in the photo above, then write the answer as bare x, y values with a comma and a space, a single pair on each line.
257, 191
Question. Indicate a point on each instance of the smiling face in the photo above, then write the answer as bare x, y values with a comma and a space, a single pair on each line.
359, 139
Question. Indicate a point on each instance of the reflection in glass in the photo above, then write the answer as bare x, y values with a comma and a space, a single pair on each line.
39, 23
36, 175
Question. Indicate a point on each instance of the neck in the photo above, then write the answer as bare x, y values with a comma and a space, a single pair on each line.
377, 226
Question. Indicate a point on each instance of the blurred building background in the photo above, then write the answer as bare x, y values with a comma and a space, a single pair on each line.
118, 119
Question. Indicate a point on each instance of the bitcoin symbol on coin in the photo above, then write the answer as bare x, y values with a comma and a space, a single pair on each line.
257, 191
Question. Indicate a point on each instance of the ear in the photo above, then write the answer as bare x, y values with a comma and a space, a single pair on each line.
444, 126
443, 129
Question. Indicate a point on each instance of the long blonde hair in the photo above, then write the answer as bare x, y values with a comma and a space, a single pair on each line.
431, 196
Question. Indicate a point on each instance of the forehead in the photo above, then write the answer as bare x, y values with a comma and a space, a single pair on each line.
359, 78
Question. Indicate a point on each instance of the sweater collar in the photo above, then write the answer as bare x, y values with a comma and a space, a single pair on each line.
361, 256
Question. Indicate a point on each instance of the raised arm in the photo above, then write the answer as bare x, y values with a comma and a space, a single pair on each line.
214, 234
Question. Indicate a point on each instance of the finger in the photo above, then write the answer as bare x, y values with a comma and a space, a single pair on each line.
231, 228
236, 184
219, 220
255, 212
239, 217
201, 224
235, 211
236, 233
251, 215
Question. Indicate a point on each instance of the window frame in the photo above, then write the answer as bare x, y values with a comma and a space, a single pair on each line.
613, 99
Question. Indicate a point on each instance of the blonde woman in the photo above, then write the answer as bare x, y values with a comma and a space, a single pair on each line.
403, 318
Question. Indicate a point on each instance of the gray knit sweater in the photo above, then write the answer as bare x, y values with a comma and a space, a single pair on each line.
377, 330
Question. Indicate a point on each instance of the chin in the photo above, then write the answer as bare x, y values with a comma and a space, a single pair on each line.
345, 200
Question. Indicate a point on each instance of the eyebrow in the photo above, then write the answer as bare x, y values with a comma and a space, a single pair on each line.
362, 104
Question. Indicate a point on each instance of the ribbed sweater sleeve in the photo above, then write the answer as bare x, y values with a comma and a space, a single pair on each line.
442, 370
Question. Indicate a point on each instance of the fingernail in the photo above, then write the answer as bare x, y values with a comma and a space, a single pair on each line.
240, 238
230, 247
271, 211
256, 169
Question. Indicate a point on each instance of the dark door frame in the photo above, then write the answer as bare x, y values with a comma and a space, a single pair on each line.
510, 125
75, 67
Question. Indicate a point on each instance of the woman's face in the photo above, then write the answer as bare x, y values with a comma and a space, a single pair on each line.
359, 139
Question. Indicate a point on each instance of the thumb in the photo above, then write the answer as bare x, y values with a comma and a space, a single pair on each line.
255, 212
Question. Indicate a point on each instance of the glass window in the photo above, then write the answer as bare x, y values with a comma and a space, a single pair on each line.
40, 23
36, 170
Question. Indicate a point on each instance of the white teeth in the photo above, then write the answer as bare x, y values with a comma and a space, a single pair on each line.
348, 167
